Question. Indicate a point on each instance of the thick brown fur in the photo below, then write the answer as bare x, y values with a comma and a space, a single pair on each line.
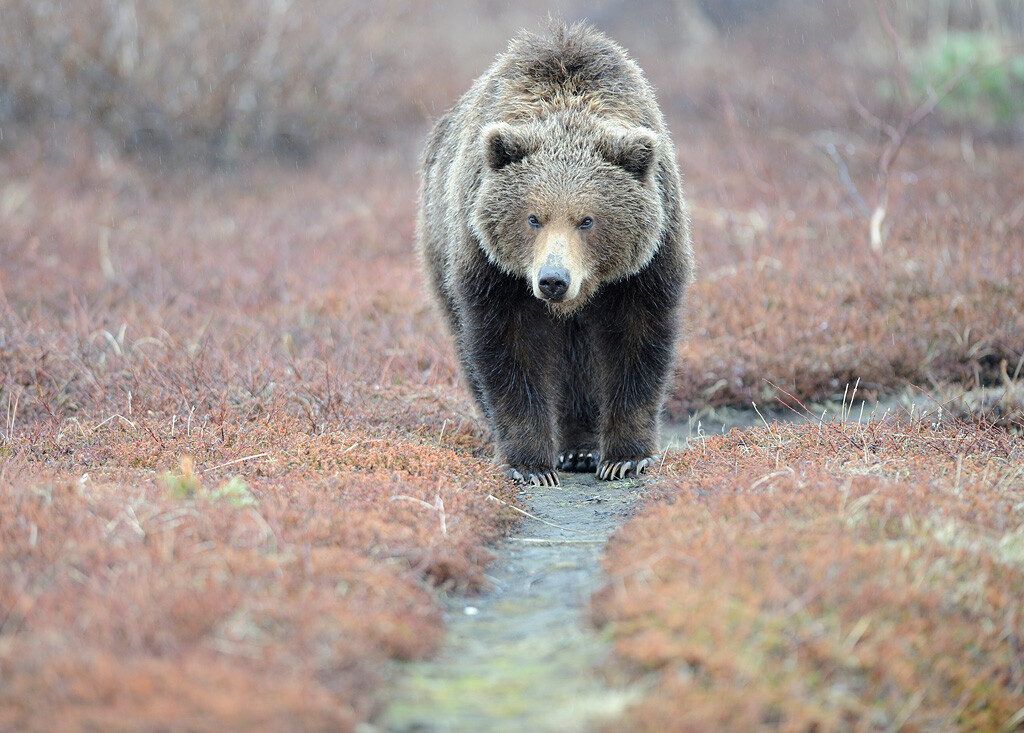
554, 234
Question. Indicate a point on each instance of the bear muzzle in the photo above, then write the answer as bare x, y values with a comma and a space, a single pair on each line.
553, 283
557, 272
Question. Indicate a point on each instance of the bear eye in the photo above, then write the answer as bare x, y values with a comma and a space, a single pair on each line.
533, 221
586, 223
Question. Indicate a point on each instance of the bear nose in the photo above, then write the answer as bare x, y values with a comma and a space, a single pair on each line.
553, 282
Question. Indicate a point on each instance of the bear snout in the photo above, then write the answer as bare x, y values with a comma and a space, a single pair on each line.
557, 271
553, 283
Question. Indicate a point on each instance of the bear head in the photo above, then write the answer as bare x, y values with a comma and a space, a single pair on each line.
568, 203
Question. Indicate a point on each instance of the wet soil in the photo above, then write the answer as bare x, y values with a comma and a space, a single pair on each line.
522, 656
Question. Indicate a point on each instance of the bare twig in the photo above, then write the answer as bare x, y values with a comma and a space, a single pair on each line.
437, 506
844, 178
542, 541
894, 39
531, 516
897, 134
237, 460
808, 413
749, 168
866, 114
122, 417
12, 416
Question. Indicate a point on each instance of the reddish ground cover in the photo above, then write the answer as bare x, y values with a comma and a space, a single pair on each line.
797, 297
228, 471
828, 577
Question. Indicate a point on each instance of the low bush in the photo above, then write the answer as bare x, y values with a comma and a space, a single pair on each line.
219, 78
830, 577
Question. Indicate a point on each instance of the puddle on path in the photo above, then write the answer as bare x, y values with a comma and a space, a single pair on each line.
522, 656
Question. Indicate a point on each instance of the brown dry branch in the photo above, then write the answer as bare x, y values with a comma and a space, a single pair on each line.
752, 170
911, 117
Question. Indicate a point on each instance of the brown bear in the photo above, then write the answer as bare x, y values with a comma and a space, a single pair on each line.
554, 234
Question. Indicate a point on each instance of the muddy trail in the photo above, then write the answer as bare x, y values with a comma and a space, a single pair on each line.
522, 655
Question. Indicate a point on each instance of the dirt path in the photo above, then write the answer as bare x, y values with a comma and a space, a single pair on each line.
522, 656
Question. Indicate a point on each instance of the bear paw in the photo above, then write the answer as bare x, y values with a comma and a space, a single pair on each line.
612, 470
532, 475
578, 460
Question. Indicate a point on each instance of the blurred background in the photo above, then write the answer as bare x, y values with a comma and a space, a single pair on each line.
852, 168
223, 81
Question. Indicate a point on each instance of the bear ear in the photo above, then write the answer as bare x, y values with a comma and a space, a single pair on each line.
504, 144
632, 150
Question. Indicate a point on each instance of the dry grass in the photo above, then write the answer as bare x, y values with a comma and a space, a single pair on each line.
232, 462
828, 577
789, 291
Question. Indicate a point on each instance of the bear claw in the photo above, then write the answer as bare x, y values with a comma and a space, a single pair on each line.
581, 461
532, 475
614, 470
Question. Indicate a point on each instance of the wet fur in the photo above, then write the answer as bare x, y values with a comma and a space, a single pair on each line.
559, 124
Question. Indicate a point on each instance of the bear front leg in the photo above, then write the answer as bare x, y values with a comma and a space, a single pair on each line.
579, 441
635, 349
509, 341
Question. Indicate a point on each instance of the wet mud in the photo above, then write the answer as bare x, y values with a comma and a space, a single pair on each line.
522, 656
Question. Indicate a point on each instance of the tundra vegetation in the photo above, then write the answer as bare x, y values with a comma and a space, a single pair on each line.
236, 464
